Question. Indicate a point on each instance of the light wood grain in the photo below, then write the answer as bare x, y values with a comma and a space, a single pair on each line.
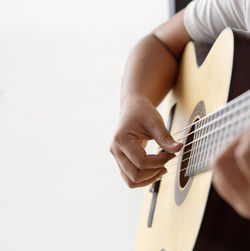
175, 228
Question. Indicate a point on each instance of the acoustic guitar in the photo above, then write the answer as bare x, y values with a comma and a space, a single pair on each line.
208, 106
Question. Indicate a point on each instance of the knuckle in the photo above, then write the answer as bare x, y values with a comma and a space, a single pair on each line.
111, 150
165, 139
128, 181
131, 184
118, 138
241, 154
140, 163
218, 163
135, 178
154, 123
243, 208
242, 205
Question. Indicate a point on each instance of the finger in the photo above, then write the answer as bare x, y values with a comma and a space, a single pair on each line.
134, 174
242, 156
138, 156
230, 183
131, 184
161, 135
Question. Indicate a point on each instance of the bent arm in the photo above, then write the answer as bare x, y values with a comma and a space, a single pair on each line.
152, 66
150, 73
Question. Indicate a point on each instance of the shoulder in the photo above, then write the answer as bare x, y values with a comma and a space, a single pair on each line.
205, 19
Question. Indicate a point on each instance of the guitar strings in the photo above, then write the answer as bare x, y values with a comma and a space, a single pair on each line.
215, 120
216, 130
206, 150
228, 105
197, 153
186, 168
212, 122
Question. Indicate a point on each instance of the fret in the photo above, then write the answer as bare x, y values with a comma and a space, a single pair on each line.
208, 152
231, 118
226, 119
205, 154
220, 133
196, 147
193, 151
215, 130
219, 141
199, 146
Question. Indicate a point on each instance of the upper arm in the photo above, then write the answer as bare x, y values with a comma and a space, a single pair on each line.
203, 21
173, 34
206, 19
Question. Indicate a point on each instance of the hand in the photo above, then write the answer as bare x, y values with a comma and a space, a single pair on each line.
232, 174
140, 122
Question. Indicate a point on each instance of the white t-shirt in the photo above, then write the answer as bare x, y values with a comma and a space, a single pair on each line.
205, 19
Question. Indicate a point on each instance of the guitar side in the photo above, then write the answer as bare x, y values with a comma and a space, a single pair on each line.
180, 226
222, 228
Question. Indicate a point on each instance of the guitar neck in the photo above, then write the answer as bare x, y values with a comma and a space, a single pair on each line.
214, 131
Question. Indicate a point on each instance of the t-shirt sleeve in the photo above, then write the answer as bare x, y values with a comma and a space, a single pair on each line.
205, 19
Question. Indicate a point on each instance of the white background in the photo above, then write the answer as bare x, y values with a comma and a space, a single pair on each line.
61, 66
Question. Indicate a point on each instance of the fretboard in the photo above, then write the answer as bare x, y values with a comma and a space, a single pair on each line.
215, 131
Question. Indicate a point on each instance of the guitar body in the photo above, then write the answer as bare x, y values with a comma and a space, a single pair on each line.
191, 216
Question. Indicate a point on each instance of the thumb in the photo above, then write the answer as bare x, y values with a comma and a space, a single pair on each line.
162, 136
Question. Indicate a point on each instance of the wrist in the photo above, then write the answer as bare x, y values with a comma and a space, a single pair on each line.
133, 99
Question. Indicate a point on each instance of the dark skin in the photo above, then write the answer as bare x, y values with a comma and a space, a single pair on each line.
150, 73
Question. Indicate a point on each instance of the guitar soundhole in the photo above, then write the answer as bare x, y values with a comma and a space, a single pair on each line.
186, 155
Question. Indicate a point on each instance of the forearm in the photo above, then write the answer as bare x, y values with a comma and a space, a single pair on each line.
150, 71
152, 66
149, 75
